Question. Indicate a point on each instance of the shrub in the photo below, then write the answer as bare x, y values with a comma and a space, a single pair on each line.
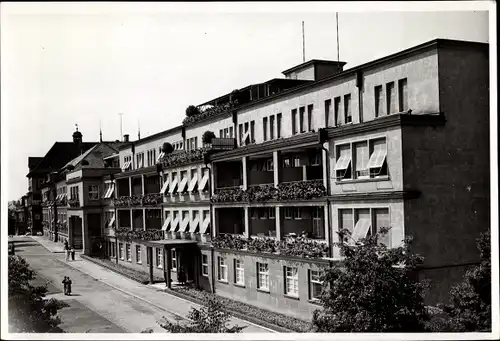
192, 111
372, 290
207, 137
211, 318
167, 148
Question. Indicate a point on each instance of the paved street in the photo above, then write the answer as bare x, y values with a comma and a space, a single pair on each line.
104, 301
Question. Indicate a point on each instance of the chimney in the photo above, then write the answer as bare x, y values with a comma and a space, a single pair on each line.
125, 138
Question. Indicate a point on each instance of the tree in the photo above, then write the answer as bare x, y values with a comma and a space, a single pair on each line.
192, 111
29, 312
470, 308
211, 318
207, 137
167, 148
372, 290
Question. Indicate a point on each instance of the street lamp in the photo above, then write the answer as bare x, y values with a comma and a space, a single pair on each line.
53, 176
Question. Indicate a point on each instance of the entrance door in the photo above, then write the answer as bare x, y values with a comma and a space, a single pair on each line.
76, 227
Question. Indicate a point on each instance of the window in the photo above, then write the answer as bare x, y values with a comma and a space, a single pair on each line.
278, 125
204, 265
316, 158
222, 269
347, 109
271, 213
231, 132
361, 161
74, 193
264, 128
138, 258
240, 129
252, 131
239, 272
315, 285
174, 259
301, 119
159, 258
113, 249
377, 164
93, 192
148, 257
289, 213
328, 108
403, 94
293, 213
336, 104
291, 281
309, 117
381, 219
294, 121
362, 223
128, 252
343, 164
317, 222
379, 102
346, 220
271, 127
196, 142
391, 98
220, 133
121, 250
263, 276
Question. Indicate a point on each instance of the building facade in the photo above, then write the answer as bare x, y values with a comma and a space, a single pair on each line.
400, 142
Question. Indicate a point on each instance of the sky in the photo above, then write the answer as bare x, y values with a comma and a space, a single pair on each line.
64, 65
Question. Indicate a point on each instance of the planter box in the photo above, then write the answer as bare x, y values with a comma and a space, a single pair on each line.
185, 235
195, 236
176, 235
206, 238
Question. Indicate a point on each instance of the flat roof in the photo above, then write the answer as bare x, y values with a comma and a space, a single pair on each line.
173, 241
311, 62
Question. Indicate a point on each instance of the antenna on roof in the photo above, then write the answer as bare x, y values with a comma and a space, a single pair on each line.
121, 126
303, 44
338, 48
100, 131
138, 130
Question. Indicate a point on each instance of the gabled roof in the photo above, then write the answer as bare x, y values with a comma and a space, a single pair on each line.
95, 155
33, 161
59, 155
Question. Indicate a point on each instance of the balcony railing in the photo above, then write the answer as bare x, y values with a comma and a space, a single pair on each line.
74, 203
138, 234
213, 111
299, 190
183, 157
293, 247
154, 199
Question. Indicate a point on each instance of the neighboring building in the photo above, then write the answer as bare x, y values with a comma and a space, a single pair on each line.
400, 142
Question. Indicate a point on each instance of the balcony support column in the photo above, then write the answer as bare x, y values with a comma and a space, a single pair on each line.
324, 165
131, 220
213, 178
276, 167
245, 172
278, 222
246, 221
130, 186
143, 184
144, 219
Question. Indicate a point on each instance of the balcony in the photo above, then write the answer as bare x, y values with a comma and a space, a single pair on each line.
74, 203
210, 112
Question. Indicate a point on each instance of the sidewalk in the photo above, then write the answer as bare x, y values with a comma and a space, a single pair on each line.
48, 244
164, 301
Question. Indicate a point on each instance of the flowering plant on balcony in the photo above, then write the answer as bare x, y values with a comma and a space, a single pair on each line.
127, 234
233, 194
122, 201
62, 202
303, 247
213, 111
295, 247
182, 157
301, 190
135, 200
74, 203
152, 199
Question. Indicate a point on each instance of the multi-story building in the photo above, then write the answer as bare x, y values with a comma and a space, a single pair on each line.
399, 142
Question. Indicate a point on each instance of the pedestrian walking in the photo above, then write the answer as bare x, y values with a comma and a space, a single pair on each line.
65, 283
66, 246
72, 253
66, 251
69, 286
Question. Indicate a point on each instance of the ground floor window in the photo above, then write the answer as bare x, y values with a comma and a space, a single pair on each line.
138, 254
315, 285
239, 272
291, 281
174, 260
159, 258
204, 265
263, 276
121, 250
129, 253
222, 269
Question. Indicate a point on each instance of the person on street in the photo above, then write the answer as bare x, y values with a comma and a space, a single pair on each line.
66, 251
69, 286
65, 283
65, 244
72, 253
